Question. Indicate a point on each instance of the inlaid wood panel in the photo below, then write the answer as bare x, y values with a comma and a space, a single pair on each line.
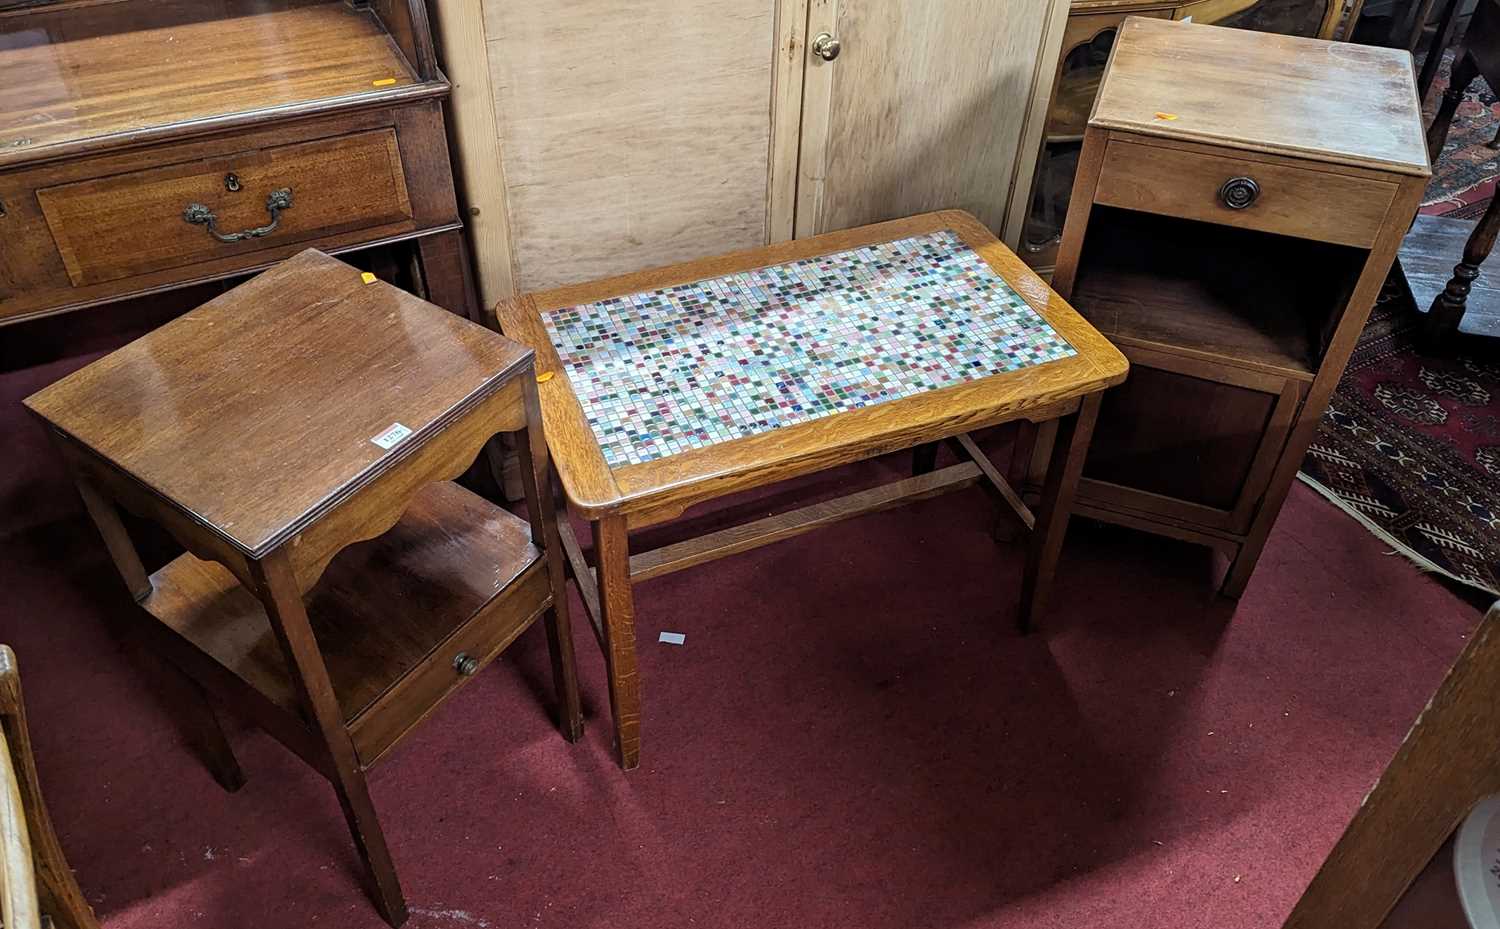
924, 109
634, 134
113, 227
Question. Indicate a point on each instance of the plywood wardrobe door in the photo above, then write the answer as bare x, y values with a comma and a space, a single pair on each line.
924, 107
632, 134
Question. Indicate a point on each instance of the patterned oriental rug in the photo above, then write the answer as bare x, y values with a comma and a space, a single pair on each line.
1410, 444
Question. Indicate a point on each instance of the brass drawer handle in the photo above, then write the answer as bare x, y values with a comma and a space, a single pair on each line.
1239, 192
200, 215
465, 664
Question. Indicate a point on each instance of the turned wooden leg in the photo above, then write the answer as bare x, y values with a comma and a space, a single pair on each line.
536, 478
1069, 447
1449, 305
924, 458
276, 586
617, 603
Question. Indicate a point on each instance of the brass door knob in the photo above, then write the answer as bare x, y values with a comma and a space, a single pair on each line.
465, 664
826, 46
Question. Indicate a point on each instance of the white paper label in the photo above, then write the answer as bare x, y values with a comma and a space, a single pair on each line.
672, 638
390, 438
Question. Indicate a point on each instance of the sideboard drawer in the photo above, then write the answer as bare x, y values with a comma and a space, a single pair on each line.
1296, 201
115, 227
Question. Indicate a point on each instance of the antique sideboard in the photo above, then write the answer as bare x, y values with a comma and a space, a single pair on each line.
150, 144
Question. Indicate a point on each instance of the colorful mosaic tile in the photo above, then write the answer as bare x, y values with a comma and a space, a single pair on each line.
662, 372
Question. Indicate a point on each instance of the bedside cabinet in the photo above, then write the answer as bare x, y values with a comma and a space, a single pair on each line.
1240, 198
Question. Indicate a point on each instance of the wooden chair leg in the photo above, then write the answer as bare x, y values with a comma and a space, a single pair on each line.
536, 479
1069, 448
1447, 26
617, 603
1465, 69
276, 587
57, 889
1448, 306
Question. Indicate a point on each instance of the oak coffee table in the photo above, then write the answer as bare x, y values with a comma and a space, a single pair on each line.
672, 387
299, 436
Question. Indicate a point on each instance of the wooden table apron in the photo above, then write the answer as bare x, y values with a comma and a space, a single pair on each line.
638, 495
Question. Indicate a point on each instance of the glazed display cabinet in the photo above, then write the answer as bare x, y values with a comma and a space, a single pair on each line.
149, 144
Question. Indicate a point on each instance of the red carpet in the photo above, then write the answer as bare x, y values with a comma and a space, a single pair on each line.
852, 736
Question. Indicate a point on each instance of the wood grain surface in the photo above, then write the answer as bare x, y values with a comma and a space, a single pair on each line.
257, 411
924, 109
633, 134
128, 224
126, 67
1293, 200
35, 276
1266, 93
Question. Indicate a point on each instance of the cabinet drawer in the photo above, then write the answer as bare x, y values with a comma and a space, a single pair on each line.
383, 722
114, 227
1304, 202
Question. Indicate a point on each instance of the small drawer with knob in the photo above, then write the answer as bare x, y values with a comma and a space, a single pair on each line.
122, 225
454, 662
1269, 195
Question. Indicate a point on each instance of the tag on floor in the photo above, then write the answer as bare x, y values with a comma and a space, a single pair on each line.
672, 638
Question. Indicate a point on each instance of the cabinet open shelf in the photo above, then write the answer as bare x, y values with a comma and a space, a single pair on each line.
1254, 299
455, 574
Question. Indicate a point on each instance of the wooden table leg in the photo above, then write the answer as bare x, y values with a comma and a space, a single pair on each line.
202, 722
276, 586
924, 458
617, 602
536, 478
1069, 448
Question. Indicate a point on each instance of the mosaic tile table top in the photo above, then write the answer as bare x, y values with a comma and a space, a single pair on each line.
666, 371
